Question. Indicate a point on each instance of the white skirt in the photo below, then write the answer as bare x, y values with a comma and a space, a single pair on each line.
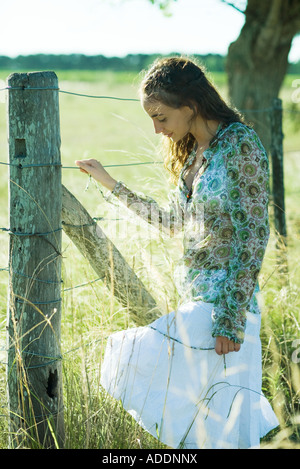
170, 379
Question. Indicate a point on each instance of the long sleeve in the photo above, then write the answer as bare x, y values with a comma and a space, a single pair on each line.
248, 177
170, 220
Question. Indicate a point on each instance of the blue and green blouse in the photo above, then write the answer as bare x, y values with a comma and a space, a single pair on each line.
224, 218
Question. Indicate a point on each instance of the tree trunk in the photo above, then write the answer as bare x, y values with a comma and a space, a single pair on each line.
257, 61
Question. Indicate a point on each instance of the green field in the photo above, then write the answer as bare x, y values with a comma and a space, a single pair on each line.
117, 133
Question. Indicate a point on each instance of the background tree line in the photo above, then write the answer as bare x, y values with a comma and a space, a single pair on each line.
131, 62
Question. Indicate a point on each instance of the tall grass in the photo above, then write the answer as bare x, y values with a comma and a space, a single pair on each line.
116, 133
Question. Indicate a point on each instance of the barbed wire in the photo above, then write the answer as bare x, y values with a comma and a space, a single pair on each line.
40, 165
23, 88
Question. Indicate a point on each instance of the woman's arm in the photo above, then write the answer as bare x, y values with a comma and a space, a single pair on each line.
169, 221
248, 177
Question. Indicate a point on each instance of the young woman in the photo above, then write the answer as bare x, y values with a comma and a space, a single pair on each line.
171, 375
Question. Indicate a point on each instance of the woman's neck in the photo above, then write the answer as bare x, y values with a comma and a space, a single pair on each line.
203, 131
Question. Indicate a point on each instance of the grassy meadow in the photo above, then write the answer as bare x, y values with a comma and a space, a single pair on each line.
117, 133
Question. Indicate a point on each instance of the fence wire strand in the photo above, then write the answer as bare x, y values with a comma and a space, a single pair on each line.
10, 88
117, 98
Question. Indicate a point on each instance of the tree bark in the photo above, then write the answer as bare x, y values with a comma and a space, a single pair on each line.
257, 61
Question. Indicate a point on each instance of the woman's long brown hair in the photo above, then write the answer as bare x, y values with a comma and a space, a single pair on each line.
177, 82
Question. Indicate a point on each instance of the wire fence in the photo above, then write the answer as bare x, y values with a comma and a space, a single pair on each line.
24, 166
117, 98
9, 88
95, 219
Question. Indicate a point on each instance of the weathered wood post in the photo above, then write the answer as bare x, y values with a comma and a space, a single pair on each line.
34, 312
107, 261
276, 150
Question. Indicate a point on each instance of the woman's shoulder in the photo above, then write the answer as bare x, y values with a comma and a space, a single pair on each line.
238, 133
239, 129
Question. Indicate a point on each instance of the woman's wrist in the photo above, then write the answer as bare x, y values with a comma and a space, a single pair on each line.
108, 182
95, 169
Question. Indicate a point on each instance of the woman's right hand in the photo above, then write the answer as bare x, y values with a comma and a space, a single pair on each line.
223, 345
95, 169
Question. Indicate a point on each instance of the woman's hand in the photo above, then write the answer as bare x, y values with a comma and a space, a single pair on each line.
96, 170
224, 345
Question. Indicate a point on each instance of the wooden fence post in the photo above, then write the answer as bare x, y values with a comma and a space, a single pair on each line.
34, 310
107, 261
278, 182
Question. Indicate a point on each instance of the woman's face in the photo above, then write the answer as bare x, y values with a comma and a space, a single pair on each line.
171, 122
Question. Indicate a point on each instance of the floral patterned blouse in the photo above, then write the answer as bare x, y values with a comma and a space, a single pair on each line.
225, 225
